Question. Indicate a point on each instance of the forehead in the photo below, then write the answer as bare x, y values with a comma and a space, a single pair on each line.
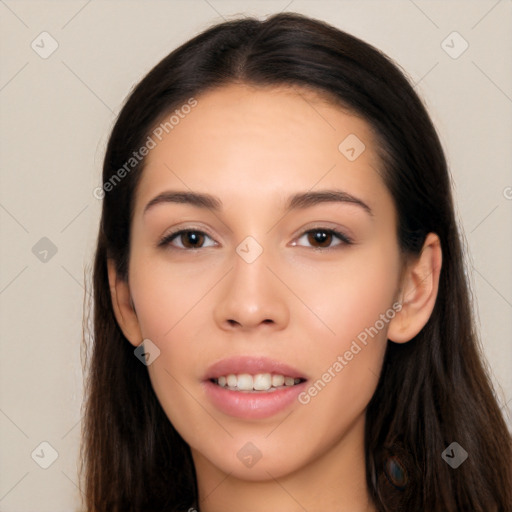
241, 139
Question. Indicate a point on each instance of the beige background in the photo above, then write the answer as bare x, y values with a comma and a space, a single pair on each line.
56, 116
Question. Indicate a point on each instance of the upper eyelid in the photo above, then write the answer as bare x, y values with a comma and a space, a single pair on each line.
172, 233
168, 237
327, 226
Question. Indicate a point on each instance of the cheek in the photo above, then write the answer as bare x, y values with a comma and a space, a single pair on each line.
165, 295
347, 364
170, 305
349, 297
168, 316
355, 305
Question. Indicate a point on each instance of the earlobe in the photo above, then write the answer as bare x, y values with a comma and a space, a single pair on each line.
123, 306
420, 284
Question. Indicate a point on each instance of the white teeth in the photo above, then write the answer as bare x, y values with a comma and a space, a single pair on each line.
277, 380
258, 382
262, 381
245, 382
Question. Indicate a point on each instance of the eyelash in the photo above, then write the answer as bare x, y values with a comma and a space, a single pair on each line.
344, 239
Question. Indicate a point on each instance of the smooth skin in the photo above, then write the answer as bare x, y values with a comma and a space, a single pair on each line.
302, 301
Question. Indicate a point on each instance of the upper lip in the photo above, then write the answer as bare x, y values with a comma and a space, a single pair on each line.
252, 365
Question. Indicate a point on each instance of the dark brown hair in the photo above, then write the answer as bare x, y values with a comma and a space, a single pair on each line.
433, 390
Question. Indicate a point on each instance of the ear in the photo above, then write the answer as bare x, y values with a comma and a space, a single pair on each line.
420, 283
122, 304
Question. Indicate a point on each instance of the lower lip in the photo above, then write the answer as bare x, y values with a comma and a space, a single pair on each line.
245, 405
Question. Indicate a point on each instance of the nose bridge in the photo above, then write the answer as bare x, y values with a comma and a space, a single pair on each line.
251, 294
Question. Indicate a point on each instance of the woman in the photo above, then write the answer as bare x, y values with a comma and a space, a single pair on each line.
281, 315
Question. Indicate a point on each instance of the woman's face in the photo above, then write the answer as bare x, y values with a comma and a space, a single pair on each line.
259, 290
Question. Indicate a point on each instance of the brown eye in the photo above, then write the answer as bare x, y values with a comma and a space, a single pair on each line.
192, 239
323, 238
186, 239
320, 238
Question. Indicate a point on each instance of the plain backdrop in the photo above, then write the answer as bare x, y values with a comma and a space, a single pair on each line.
56, 113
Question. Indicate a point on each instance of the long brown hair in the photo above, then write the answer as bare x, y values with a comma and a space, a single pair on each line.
433, 390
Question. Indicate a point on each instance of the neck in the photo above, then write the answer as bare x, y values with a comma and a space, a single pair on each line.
336, 480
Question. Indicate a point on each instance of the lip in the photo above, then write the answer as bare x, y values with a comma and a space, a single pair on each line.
247, 405
252, 365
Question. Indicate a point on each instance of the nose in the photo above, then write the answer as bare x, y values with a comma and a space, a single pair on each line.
250, 297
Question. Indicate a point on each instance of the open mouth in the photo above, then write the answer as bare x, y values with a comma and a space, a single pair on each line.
257, 383
253, 387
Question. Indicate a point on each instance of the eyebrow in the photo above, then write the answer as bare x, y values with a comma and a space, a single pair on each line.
297, 201
192, 198
308, 199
